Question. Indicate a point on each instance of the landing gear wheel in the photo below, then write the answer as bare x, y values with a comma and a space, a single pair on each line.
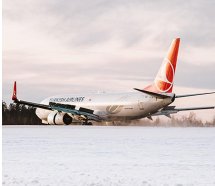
87, 123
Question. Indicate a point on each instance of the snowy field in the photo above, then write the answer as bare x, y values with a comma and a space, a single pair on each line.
95, 155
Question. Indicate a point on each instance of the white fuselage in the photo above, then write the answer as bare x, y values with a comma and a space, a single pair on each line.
110, 107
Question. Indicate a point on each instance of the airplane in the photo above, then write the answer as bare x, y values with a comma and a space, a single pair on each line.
153, 100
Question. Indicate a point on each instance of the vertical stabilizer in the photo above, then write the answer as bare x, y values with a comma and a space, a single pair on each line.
164, 79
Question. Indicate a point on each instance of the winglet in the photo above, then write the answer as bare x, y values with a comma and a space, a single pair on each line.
14, 97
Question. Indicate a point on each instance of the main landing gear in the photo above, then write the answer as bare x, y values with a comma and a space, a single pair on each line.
87, 123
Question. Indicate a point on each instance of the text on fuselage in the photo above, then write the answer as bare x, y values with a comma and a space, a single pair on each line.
69, 99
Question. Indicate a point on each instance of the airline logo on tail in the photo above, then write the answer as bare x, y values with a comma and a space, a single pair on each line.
163, 82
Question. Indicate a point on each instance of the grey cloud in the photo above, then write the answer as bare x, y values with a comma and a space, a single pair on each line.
116, 18
84, 23
199, 76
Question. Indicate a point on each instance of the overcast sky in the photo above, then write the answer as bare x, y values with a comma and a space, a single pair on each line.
54, 47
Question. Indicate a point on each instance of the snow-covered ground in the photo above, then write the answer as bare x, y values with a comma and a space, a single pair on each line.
96, 155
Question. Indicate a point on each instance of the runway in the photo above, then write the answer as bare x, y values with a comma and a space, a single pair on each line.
107, 155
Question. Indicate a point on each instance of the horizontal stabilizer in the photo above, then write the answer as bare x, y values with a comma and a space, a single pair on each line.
172, 110
153, 93
189, 95
195, 108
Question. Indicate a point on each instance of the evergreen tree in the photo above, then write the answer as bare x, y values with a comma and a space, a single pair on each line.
18, 114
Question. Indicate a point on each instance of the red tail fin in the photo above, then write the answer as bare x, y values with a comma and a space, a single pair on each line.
163, 82
14, 98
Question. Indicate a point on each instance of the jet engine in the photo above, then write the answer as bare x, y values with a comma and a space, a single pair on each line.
59, 118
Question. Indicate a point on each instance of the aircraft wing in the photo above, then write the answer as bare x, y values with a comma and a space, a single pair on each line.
172, 110
188, 95
84, 113
36, 105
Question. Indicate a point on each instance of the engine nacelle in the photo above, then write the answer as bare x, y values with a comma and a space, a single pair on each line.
59, 118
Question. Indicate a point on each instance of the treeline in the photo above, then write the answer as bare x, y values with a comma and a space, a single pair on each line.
190, 120
17, 114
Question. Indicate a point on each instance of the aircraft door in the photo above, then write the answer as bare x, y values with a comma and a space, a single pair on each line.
141, 105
